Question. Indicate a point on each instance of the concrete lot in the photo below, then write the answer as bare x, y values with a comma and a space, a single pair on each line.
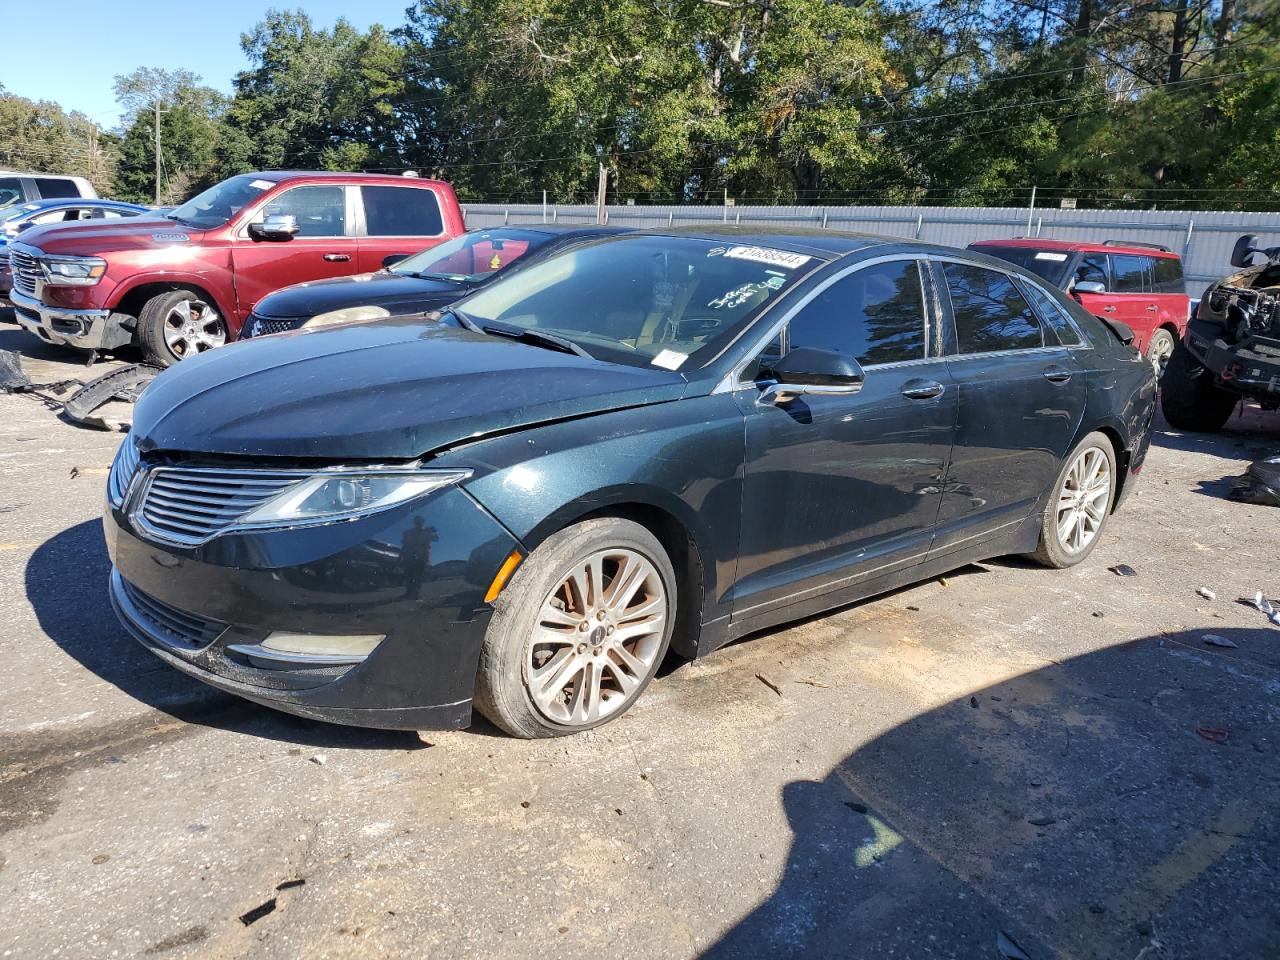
1013, 753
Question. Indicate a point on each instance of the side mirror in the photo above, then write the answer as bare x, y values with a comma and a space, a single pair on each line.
808, 371
1089, 286
276, 226
393, 259
1242, 253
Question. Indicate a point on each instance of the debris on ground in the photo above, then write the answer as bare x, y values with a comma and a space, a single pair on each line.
1213, 734
1041, 821
1008, 948
123, 385
13, 379
856, 807
290, 884
1213, 640
257, 913
1260, 484
1206, 593
319, 759
769, 683
973, 702
814, 683
1271, 609
1123, 570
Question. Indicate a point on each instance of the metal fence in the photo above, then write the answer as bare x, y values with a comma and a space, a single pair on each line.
1203, 238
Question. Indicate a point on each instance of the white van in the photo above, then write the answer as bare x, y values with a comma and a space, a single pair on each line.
17, 187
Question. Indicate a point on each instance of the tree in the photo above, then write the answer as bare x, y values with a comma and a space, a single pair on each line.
40, 136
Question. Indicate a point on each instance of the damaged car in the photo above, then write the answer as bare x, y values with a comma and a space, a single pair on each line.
1232, 346
659, 440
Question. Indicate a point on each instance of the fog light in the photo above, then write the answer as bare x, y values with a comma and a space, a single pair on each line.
320, 645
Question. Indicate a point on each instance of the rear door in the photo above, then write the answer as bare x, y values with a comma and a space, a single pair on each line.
1131, 284
397, 221
1170, 291
325, 245
1021, 401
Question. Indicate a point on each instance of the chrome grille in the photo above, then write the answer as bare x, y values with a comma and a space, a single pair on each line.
169, 624
122, 470
190, 505
26, 271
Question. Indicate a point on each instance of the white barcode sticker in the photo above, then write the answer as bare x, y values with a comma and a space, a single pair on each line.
669, 359
262, 184
775, 258
1055, 257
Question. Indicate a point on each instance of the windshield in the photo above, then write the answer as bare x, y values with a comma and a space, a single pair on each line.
1049, 264
670, 302
220, 203
16, 212
472, 257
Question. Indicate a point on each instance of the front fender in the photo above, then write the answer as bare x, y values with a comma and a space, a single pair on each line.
683, 458
213, 283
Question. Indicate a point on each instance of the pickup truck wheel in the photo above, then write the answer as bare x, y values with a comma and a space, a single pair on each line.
1189, 398
177, 325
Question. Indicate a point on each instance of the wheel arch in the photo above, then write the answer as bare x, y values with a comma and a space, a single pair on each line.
1116, 433
142, 289
676, 528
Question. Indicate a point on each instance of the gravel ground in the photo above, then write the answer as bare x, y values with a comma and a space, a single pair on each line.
1057, 759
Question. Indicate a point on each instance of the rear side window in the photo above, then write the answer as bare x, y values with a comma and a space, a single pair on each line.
875, 314
401, 212
56, 187
989, 311
1052, 313
1128, 274
1168, 275
1093, 268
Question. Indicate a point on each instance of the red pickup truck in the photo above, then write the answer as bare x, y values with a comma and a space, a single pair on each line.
184, 283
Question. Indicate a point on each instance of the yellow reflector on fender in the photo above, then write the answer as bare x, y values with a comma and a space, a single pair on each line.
503, 575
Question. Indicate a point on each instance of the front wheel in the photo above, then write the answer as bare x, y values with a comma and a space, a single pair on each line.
1079, 504
579, 631
177, 325
1189, 398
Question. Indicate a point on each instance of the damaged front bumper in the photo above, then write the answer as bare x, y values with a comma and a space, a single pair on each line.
84, 328
1250, 366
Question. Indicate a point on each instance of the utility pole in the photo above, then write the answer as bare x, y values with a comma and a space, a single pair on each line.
158, 112
601, 186
1031, 210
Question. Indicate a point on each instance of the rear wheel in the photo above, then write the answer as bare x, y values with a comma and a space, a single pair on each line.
1080, 503
579, 631
177, 325
1159, 349
1189, 398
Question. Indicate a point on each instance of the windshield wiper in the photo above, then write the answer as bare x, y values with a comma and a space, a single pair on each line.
535, 337
451, 277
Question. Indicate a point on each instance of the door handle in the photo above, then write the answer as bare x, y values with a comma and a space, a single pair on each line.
1108, 309
337, 257
922, 389
1057, 374
1152, 308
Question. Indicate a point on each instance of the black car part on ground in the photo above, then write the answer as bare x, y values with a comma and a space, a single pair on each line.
1260, 484
122, 385
13, 379
1232, 346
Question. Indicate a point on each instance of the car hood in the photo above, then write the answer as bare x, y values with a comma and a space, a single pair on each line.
395, 292
90, 238
389, 390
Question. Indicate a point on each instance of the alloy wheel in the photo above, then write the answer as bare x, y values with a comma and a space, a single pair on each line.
191, 327
1161, 351
597, 637
1083, 500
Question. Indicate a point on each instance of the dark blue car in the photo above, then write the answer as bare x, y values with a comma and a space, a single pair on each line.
649, 441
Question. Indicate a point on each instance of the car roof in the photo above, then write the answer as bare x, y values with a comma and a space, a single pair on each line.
829, 244
47, 203
557, 229
1074, 246
278, 176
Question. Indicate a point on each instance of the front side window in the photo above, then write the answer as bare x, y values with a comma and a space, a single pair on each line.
1128, 274
472, 257
215, 206
669, 302
875, 315
320, 211
1093, 268
55, 188
401, 212
990, 314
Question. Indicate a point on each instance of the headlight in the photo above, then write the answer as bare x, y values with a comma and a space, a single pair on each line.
346, 315
74, 271
339, 495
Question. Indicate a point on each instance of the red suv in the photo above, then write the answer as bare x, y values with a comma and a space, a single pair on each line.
183, 283
1139, 284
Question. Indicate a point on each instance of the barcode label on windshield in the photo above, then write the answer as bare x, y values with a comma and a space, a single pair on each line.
775, 258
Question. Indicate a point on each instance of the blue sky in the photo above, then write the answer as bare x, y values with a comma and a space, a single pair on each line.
90, 41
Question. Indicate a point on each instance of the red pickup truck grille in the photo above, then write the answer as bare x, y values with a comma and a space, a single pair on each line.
26, 271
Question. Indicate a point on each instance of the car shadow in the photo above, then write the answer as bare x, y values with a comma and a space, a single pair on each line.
1109, 804
66, 584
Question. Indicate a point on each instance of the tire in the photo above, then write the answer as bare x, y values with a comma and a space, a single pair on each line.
1077, 502
1159, 349
177, 325
548, 638
1189, 398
